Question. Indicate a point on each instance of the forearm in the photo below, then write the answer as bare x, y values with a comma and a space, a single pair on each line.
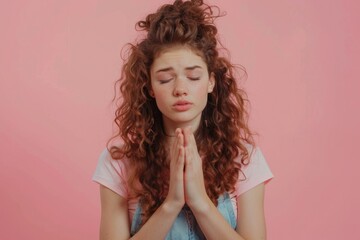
161, 220
213, 224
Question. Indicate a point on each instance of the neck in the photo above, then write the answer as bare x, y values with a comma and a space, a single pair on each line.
170, 126
167, 135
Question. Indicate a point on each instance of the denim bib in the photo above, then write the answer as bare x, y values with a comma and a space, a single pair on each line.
185, 225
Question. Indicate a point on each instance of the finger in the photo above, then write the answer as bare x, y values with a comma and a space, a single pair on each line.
187, 132
191, 152
180, 146
174, 148
189, 137
174, 151
180, 163
180, 137
188, 157
181, 160
177, 131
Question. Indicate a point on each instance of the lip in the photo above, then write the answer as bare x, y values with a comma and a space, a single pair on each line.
182, 105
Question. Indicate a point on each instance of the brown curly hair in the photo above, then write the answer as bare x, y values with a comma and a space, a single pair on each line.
223, 132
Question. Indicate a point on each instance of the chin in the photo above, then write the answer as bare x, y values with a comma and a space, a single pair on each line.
183, 120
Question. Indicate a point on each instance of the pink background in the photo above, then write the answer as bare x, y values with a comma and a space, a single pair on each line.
59, 60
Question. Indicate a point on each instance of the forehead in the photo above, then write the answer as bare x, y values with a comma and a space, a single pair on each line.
178, 56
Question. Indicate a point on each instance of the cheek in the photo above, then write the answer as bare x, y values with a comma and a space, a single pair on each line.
201, 92
160, 98
158, 94
201, 95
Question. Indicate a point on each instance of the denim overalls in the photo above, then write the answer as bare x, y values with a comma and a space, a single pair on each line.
185, 225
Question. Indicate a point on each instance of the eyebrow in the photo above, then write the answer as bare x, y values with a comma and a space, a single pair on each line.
170, 68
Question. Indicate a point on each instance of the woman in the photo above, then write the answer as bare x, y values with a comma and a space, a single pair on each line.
187, 166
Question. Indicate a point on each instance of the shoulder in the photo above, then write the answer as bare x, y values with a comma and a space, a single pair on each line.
255, 171
107, 160
112, 173
256, 156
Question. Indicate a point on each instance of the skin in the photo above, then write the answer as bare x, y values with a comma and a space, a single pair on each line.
174, 78
178, 74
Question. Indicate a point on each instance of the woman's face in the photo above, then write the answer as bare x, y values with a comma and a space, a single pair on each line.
180, 84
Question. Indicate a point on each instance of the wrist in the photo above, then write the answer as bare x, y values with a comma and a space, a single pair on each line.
172, 206
201, 206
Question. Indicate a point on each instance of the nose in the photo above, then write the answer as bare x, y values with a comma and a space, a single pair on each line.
180, 88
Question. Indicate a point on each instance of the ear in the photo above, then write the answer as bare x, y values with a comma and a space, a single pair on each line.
151, 93
211, 84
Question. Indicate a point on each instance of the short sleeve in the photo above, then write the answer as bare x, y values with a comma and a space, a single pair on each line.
111, 174
256, 172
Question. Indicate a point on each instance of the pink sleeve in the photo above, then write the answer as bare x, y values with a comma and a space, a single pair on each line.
256, 172
111, 174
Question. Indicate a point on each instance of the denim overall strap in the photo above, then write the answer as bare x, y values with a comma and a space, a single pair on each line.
226, 209
136, 221
185, 225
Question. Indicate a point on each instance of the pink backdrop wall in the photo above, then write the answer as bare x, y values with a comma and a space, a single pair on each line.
59, 60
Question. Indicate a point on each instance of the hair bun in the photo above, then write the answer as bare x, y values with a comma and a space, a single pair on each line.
182, 21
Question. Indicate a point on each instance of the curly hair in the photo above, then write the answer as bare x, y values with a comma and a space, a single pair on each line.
223, 132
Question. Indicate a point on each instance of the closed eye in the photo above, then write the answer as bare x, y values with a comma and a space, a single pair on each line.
194, 78
165, 81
